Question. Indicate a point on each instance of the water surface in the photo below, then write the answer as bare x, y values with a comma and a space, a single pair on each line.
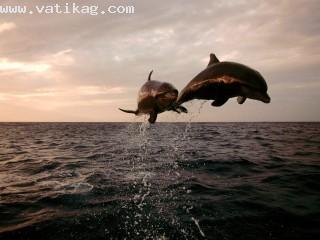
165, 181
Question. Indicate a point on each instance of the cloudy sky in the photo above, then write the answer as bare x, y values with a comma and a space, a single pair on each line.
77, 67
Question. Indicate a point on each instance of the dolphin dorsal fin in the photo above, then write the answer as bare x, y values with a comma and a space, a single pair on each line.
149, 77
213, 59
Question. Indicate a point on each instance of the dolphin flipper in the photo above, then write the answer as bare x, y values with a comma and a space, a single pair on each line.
182, 109
178, 108
129, 111
219, 102
241, 99
153, 117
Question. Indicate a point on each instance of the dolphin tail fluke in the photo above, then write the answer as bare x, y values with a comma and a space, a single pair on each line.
129, 111
153, 117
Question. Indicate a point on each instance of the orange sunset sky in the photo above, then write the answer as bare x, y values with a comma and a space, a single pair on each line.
73, 67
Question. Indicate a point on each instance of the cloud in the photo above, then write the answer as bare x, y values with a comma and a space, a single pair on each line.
61, 101
61, 58
6, 26
7, 65
117, 58
94, 90
75, 58
78, 91
230, 56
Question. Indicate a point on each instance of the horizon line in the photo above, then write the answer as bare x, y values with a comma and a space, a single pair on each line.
318, 121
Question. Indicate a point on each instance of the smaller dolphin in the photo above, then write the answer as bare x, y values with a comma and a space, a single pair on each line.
156, 97
223, 80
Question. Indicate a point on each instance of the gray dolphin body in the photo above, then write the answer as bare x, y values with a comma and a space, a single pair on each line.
223, 80
155, 97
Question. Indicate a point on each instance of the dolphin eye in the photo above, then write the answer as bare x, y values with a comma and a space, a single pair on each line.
169, 94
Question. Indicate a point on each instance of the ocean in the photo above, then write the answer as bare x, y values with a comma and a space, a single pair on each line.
162, 181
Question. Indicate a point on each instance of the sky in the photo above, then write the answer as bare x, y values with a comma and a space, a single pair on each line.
79, 67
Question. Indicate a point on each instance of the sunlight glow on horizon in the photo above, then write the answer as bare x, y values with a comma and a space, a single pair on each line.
6, 65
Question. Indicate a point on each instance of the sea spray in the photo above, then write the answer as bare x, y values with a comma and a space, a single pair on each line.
138, 150
154, 204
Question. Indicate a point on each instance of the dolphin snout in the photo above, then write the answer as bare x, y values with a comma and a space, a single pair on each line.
266, 98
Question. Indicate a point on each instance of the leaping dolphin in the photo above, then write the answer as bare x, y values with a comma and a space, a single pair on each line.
155, 97
223, 80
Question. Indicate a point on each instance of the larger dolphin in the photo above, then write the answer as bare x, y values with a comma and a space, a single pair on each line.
220, 81
156, 97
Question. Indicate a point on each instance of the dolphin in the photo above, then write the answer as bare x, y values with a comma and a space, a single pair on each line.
220, 81
155, 97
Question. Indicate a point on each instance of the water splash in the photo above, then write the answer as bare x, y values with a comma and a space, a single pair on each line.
154, 203
196, 222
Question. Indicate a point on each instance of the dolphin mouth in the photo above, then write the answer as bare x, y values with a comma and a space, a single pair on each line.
266, 98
